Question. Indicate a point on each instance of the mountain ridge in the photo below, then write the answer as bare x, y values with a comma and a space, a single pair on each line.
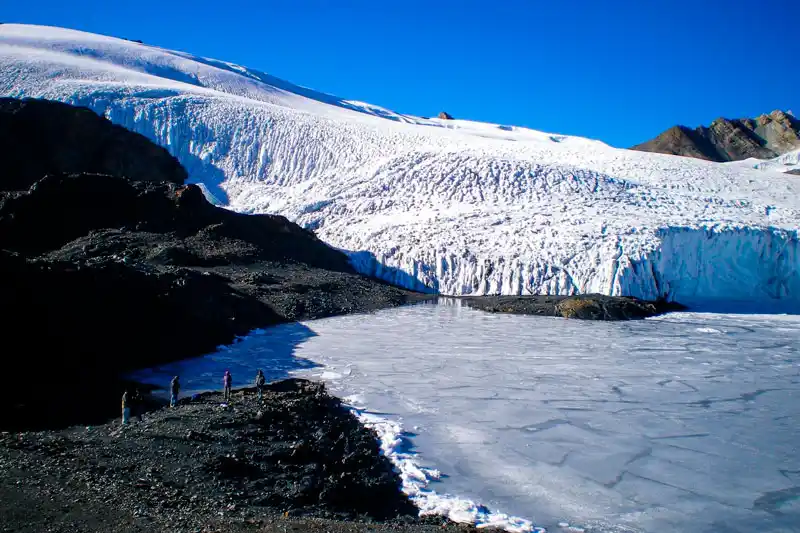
765, 137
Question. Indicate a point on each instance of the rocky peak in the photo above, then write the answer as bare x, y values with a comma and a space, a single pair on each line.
765, 137
781, 116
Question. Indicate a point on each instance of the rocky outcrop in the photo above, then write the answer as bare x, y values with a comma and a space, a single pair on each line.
583, 307
445, 116
114, 275
106, 274
40, 137
765, 137
61, 208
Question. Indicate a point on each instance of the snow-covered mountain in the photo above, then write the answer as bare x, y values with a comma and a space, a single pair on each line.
449, 205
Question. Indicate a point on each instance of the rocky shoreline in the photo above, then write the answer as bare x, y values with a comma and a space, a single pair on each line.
112, 263
162, 275
582, 307
298, 460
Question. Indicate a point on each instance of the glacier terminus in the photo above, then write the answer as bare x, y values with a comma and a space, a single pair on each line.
448, 206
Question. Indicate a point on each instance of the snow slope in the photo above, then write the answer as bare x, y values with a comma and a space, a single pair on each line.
784, 163
453, 206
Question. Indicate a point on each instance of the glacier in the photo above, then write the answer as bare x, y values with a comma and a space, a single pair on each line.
784, 163
448, 206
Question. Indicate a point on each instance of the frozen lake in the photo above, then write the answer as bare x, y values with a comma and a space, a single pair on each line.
688, 422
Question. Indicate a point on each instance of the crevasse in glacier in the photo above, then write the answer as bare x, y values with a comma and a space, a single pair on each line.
452, 206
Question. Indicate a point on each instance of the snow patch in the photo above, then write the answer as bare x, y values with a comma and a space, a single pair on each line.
783, 163
416, 480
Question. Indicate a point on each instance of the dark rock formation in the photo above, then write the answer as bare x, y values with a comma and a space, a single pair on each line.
40, 137
445, 116
584, 307
106, 275
61, 208
765, 137
114, 275
680, 140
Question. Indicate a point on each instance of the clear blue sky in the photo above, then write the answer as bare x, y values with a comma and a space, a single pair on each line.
620, 71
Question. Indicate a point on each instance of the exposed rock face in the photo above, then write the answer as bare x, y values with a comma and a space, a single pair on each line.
39, 137
61, 208
445, 116
114, 275
765, 137
106, 275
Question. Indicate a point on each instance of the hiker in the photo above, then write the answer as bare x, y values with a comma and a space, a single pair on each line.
174, 388
137, 404
126, 410
227, 381
260, 382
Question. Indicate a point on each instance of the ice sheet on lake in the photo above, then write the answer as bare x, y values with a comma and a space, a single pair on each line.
687, 422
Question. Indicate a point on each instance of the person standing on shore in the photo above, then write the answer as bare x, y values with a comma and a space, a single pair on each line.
174, 389
260, 382
137, 404
227, 382
126, 409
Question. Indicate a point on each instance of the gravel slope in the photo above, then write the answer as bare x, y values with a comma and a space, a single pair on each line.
298, 461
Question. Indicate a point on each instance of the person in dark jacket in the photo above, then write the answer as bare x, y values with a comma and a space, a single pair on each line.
137, 404
174, 389
227, 382
260, 382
